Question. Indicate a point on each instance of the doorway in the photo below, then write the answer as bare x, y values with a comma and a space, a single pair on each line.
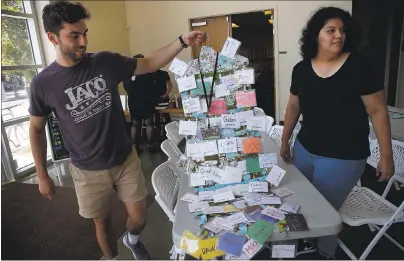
255, 31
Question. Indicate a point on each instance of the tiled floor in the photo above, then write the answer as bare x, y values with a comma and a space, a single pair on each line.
158, 240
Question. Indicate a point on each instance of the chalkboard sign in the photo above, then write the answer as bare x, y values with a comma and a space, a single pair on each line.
59, 151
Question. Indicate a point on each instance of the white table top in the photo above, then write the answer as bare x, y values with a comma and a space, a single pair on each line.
322, 219
397, 125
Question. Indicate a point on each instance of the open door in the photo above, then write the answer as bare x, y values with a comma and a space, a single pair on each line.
218, 29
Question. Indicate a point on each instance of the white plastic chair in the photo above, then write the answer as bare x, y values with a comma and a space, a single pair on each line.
268, 124
172, 132
166, 181
258, 111
363, 206
398, 157
276, 135
372, 133
170, 149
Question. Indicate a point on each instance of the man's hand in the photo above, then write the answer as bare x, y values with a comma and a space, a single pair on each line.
385, 168
47, 187
285, 152
195, 38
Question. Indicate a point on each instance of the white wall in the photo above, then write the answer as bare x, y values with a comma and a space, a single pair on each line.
153, 24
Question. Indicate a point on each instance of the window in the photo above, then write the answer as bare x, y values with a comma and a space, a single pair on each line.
21, 60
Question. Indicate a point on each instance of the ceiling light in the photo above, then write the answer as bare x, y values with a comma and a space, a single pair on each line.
269, 12
271, 21
233, 25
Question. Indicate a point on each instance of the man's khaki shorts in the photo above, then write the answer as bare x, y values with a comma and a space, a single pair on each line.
95, 189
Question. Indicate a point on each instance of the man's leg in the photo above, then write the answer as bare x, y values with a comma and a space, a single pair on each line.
94, 190
131, 188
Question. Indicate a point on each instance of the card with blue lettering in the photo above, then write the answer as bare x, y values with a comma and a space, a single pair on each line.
231, 243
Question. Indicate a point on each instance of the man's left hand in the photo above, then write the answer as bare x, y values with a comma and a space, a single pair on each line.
195, 38
385, 168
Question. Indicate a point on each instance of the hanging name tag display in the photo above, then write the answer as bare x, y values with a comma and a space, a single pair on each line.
231, 168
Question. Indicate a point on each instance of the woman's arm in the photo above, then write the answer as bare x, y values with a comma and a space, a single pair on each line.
376, 108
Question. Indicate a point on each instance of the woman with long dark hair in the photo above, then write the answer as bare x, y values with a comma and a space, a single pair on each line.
335, 89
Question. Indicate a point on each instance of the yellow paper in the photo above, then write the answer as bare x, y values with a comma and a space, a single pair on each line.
230, 208
191, 244
209, 249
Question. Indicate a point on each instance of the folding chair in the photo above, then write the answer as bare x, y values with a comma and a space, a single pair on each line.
363, 206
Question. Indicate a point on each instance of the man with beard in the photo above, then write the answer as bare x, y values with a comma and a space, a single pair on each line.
82, 90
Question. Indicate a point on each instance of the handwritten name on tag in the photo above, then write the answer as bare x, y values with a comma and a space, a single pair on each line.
267, 160
276, 175
229, 81
256, 123
253, 199
267, 200
237, 218
188, 128
197, 179
282, 192
186, 83
193, 150
227, 145
197, 206
240, 204
213, 210
190, 198
243, 116
290, 207
274, 212
222, 197
206, 195
191, 105
258, 186
221, 90
230, 121
213, 173
178, 67
283, 251
251, 248
230, 47
209, 148
245, 76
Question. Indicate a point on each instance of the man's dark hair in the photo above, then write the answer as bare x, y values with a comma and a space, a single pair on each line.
56, 14
309, 39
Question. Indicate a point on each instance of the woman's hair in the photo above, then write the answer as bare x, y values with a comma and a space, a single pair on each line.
309, 39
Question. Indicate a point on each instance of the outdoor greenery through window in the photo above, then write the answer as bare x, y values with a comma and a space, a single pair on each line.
21, 60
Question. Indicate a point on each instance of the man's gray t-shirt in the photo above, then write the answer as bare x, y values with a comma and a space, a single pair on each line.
87, 105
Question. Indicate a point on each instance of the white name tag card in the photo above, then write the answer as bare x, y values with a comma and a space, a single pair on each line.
243, 116
206, 195
178, 67
188, 128
197, 179
190, 198
229, 81
191, 105
267, 160
230, 121
232, 175
245, 76
209, 148
221, 90
290, 207
193, 150
267, 200
258, 186
230, 47
186, 83
282, 192
257, 123
227, 145
223, 197
274, 212
197, 206
237, 218
213, 210
276, 175
283, 251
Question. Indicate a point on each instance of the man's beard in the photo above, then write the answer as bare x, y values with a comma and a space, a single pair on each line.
72, 53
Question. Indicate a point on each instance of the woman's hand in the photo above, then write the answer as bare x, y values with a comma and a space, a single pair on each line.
385, 168
285, 152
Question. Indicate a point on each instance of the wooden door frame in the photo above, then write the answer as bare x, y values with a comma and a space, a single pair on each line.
275, 9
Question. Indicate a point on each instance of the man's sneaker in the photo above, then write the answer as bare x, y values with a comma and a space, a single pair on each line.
305, 247
138, 250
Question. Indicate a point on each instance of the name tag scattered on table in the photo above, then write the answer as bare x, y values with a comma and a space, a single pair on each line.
246, 99
243, 256
218, 224
258, 186
191, 105
276, 175
186, 83
256, 123
230, 47
240, 204
230, 121
260, 231
206, 195
253, 199
283, 251
231, 243
197, 206
209, 148
245, 76
229, 81
237, 218
229, 208
290, 207
282, 192
296, 222
227, 145
222, 197
232, 175
178, 67
188, 128
197, 179
251, 248
209, 248
213, 210
267, 160
221, 90
241, 189
267, 200
213, 173
243, 116
193, 150
242, 165
190, 243
188, 197
273, 212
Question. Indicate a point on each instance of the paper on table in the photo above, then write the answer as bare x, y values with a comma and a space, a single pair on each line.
230, 121
283, 251
242, 165
243, 256
213, 210
267, 200
197, 206
188, 128
230, 208
282, 192
209, 148
253, 199
191, 105
213, 173
206, 195
260, 231
290, 207
186, 83
240, 204
230, 47
232, 175
245, 76
222, 197
251, 248
193, 150
241, 189
189, 197
209, 248
276, 175
237, 218
178, 67
246, 99
231, 243
256, 123
267, 160
197, 179
227, 145
273, 212
221, 90
240, 143
258, 186
243, 116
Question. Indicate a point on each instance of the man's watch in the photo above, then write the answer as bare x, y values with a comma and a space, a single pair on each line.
184, 45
